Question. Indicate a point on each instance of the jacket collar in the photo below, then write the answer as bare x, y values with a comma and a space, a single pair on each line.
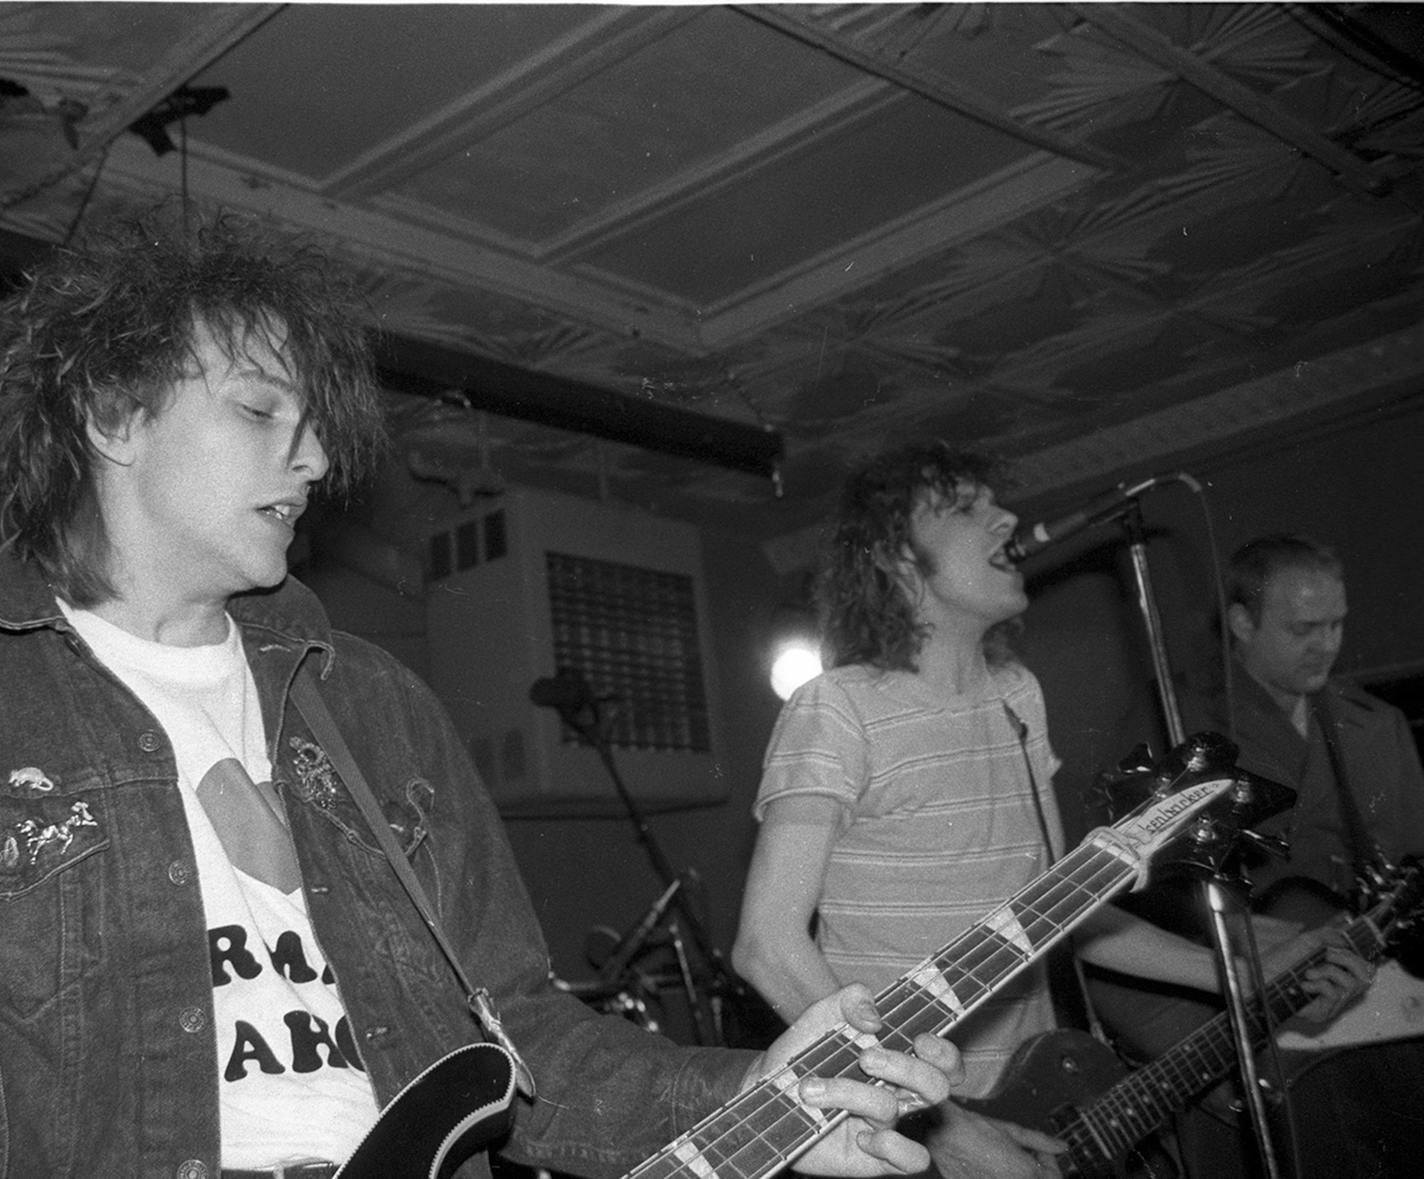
26, 599
291, 610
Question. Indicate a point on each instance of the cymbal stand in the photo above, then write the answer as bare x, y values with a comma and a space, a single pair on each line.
590, 721
1214, 895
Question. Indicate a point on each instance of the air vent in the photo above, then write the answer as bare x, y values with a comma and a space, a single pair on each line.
547, 583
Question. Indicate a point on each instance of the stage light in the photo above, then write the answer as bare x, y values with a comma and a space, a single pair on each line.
794, 649
793, 666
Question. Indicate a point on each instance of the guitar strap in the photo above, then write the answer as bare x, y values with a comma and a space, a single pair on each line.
1362, 848
307, 696
1020, 728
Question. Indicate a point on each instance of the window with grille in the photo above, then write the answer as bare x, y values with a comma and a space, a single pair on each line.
632, 634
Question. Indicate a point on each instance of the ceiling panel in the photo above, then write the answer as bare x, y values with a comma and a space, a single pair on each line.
1084, 236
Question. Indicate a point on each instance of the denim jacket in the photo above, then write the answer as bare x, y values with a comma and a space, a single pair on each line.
107, 1061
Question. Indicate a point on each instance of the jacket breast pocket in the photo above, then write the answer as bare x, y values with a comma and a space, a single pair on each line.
49, 919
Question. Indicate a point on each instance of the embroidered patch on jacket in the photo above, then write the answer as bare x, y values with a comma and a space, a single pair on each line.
37, 835
31, 778
316, 777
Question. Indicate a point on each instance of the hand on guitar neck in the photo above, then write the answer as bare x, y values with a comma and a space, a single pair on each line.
1295, 918
1337, 978
1074, 1085
868, 1114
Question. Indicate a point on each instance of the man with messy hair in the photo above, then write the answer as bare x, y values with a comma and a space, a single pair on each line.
207, 966
907, 792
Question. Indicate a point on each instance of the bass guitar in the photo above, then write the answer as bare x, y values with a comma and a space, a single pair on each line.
462, 1102
458, 1105
1075, 1087
765, 1127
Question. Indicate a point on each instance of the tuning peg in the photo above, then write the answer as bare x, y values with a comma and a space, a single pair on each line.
1272, 845
1205, 831
1203, 751
1139, 760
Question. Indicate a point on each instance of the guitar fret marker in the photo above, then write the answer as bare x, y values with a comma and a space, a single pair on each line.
934, 984
859, 1039
1004, 922
785, 1081
693, 1160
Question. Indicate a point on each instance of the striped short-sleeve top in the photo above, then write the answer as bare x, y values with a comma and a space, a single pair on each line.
938, 827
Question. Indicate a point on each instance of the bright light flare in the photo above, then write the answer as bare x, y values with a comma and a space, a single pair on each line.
795, 663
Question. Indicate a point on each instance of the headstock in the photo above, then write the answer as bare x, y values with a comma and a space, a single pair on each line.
1217, 830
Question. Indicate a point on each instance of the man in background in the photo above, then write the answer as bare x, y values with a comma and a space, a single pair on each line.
1360, 802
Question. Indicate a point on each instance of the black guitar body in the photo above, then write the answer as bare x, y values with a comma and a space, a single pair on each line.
1043, 1085
1048, 1076
457, 1106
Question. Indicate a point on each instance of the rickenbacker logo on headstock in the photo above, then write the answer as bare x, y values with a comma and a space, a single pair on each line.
1168, 813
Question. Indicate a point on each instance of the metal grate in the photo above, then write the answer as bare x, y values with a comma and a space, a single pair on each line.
632, 634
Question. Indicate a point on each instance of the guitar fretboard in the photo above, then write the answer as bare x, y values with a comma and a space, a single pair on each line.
1142, 1101
766, 1127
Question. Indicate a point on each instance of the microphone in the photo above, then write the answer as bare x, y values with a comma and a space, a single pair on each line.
1029, 539
568, 692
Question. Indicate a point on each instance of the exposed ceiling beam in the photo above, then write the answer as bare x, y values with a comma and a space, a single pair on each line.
217, 30
414, 366
941, 91
434, 370
1116, 21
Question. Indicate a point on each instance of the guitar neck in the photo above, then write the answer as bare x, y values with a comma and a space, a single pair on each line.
1144, 1099
766, 1127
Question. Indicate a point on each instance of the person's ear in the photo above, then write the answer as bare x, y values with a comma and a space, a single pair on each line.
1238, 622
115, 443
900, 567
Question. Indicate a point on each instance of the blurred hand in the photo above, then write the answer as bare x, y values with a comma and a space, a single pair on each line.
1335, 983
968, 1145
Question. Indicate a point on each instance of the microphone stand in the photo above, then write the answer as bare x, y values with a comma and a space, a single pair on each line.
587, 719
1217, 899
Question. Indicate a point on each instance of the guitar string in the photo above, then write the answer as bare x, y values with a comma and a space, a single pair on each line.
1101, 863
1127, 1113
1063, 890
834, 1045
1199, 1058
1135, 1106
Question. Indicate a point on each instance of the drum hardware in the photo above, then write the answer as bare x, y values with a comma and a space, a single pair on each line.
670, 916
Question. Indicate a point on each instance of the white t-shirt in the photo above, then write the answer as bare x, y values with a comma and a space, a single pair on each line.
291, 1085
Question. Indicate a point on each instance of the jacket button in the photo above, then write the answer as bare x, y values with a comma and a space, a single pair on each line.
179, 872
149, 741
191, 1169
192, 1019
